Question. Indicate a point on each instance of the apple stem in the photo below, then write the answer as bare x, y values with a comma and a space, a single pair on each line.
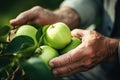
53, 26
38, 51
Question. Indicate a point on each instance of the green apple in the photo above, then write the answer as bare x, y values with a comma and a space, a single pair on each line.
47, 53
27, 30
57, 35
24, 40
73, 44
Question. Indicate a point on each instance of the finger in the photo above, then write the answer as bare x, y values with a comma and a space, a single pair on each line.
23, 18
67, 71
69, 57
71, 68
77, 33
60, 61
81, 65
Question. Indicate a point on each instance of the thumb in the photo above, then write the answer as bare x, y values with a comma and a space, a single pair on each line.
77, 32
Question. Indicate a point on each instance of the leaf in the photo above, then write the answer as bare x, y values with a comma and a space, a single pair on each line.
39, 32
3, 46
4, 30
19, 43
4, 60
38, 35
44, 28
35, 69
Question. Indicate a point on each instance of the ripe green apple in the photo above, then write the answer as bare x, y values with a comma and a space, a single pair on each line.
25, 31
74, 43
47, 53
57, 35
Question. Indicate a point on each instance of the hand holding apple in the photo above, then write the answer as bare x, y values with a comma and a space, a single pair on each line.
54, 38
47, 53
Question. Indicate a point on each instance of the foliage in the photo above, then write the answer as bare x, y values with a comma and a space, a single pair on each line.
29, 66
12, 67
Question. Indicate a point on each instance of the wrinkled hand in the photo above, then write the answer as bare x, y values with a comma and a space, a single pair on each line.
43, 16
94, 49
35, 15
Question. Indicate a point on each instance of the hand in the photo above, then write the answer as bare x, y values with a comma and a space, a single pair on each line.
35, 15
43, 16
95, 48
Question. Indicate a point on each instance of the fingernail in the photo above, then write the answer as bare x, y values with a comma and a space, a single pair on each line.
11, 20
51, 64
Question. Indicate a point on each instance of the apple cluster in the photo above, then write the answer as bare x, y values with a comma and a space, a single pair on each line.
44, 42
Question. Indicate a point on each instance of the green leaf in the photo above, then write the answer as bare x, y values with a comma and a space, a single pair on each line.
39, 32
4, 30
4, 60
44, 28
3, 46
19, 43
38, 35
35, 69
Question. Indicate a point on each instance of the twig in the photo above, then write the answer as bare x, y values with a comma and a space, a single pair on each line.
11, 77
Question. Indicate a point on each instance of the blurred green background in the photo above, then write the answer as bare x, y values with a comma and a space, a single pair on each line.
9, 9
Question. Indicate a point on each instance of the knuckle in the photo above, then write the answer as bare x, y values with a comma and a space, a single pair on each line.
89, 52
37, 8
62, 60
69, 58
69, 69
90, 31
22, 14
88, 64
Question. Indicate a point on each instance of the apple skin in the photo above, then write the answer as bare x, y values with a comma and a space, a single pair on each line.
30, 31
27, 30
47, 53
73, 44
57, 35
